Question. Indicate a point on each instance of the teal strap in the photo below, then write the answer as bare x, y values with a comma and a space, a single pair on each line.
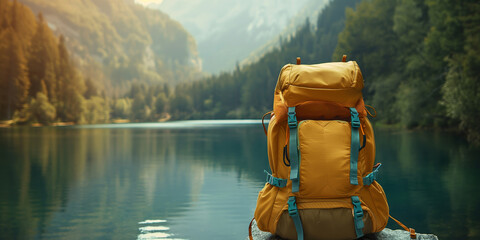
355, 146
293, 212
293, 143
357, 216
372, 176
277, 182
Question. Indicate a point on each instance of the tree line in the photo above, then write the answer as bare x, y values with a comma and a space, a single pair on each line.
38, 79
247, 91
420, 60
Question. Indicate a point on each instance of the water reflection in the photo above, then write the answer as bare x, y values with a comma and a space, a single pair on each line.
97, 183
431, 180
153, 231
201, 181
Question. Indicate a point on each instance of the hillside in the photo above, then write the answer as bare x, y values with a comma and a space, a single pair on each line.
247, 92
310, 10
227, 31
39, 83
117, 42
420, 60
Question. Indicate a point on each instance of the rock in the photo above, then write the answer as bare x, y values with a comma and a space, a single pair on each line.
401, 235
386, 234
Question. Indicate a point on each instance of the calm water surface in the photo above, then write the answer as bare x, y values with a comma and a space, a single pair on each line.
200, 180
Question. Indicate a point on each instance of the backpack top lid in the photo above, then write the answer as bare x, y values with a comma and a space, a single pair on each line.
336, 82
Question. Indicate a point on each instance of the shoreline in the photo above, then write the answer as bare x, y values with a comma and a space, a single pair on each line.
168, 118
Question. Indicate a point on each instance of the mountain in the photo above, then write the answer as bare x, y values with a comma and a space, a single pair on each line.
310, 11
227, 31
38, 81
117, 42
247, 92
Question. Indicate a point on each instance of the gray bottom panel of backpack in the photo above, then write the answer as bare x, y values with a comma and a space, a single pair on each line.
331, 224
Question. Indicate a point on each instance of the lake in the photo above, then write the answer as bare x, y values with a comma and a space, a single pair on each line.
200, 180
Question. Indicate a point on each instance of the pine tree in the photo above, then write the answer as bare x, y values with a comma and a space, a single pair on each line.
42, 110
43, 88
460, 91
4, 62
15, 83
64, 76
71, 87
43, 60
91, 89
23, 22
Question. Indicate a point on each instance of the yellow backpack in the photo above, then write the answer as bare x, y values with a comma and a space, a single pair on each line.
321, 151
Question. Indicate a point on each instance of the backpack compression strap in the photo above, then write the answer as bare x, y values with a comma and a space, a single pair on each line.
367, 180
294, 165
274, 181
357, 216
295, 215
355, 146
294, 160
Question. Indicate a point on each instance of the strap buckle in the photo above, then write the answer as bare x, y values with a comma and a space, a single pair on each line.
357, 207
357, 210
358, 216
277, 182
292, 118
367, 180
292, 206
354, 118
358, 213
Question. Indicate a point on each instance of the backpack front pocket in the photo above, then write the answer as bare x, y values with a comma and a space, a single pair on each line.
331, 219
324, 153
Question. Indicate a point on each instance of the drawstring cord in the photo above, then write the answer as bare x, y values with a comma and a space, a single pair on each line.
263, 124
369, 113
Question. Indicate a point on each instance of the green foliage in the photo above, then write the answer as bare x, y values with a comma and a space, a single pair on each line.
460, 91
247, 92
17, 24
140, 109
368, 38
97, 110
42, 111
42, 64
91, 88
420, 58
36, 72
13, 73
122, 108
75, 108
161, 102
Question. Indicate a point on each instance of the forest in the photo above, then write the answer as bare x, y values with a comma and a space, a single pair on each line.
420, 60
38, 81
119, 42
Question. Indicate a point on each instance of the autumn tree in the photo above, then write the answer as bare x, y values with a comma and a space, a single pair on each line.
42, 63
14, 83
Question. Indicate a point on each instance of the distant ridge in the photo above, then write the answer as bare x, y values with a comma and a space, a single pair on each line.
227, 31
119, 42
